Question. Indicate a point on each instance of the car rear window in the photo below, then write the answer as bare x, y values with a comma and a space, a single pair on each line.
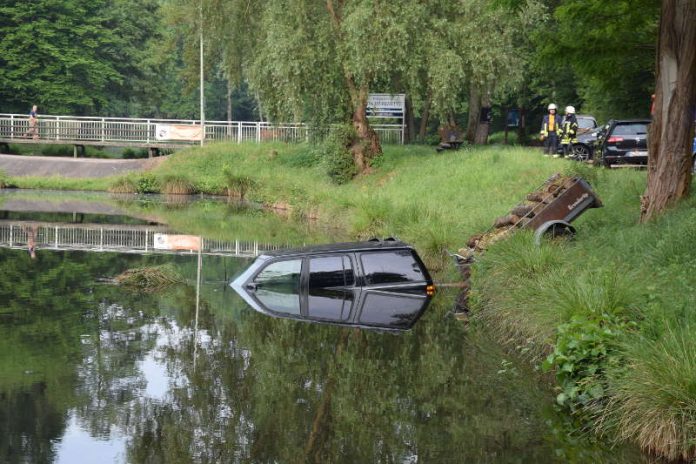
630, 129
586, 123
391, 267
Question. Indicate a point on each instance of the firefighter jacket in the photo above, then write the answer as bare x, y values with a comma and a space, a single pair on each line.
569, 129
550, 124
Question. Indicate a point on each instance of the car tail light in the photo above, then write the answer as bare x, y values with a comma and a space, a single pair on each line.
430, 290
615, 139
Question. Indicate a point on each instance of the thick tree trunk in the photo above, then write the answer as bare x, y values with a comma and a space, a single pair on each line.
484, 120
669, 162
474, 111
425, 118
366, 146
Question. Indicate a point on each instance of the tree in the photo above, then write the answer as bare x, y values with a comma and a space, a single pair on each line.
669, 162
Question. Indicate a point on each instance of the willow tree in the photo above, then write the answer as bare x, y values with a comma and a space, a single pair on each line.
319, 60
669, 162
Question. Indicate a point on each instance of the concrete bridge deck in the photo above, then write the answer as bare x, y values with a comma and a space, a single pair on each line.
47, 166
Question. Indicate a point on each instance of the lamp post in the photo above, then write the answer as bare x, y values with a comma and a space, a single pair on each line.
200, 30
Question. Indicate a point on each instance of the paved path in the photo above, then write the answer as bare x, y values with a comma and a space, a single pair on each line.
45, 166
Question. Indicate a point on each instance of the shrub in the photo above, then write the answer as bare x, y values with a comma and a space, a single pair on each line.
134, 153
147, 183
336, 156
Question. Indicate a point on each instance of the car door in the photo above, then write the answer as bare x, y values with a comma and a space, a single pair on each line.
331, 290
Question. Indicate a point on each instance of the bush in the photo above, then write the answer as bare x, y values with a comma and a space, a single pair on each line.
336, 156
147, 183
134, 153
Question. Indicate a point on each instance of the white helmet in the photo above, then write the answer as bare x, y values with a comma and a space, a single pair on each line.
570, 109
552, 106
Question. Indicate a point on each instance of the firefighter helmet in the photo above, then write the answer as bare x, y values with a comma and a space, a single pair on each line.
552, 106
570, 109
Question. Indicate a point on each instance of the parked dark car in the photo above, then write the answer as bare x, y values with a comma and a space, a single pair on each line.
587, 135
374, 284
623, 142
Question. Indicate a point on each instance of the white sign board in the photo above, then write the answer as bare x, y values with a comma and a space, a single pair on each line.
178, 132
177, 242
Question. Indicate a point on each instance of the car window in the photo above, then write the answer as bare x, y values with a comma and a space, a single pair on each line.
331, 305
281, 302
586, 123
631, 129
392, 310
281, 276
330, 271
391, 267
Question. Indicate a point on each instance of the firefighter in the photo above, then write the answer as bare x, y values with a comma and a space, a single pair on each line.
549, 131
569, 131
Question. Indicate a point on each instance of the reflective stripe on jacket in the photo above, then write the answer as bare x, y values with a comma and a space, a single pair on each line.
569, 129
547, 127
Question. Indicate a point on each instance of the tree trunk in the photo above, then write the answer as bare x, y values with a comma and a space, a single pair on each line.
522, 126
484, 120
229, 101
474, 111
669, 160
410, 135
505, 137
425, 117
366, 146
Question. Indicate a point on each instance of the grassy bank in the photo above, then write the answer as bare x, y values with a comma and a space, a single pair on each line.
609, 314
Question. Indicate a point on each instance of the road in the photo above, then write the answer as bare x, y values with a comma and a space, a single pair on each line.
46, 166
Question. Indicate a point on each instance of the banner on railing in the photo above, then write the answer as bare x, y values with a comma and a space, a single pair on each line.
177, 242
178, 132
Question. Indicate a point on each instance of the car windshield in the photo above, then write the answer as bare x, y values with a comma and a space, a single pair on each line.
586, 123
631, 129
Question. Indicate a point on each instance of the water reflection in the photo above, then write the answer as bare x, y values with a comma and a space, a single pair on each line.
90, 372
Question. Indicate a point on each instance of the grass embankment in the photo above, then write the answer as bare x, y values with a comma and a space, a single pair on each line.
610, 313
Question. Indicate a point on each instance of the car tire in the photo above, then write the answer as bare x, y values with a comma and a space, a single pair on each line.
582, 152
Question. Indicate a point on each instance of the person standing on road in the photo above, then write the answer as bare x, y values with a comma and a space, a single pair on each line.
569, 131
33, 124
549, 131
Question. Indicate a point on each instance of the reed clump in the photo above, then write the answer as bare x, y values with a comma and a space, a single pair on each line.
176, 185
150, 279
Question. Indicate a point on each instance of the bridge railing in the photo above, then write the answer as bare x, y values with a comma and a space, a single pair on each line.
142, 132
129, 239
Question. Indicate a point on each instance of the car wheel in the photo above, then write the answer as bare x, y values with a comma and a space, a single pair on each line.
582, 152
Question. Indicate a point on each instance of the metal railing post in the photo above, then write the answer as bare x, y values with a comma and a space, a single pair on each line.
101, 239
258, 132
103, 130
239, 132
148, 131
11, 234
11, 126
56, 237
146, 244
57, 127
236, 247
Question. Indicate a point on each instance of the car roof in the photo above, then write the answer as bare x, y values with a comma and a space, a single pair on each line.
629, 121
346, 247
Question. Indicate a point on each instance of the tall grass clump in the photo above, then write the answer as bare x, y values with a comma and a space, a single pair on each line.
654, 394
150, 279
176, 185
123, 185
238, 185
4, 179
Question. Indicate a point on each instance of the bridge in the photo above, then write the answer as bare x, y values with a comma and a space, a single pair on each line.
118, 238
156, 134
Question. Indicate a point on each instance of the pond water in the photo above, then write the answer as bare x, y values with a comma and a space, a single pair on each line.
93, 372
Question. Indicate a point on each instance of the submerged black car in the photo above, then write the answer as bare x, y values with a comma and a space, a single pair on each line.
374, 284
624, 142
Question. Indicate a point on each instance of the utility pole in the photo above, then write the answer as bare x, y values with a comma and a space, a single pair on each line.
200, 27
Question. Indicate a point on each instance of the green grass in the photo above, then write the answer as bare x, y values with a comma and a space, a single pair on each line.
612, 313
